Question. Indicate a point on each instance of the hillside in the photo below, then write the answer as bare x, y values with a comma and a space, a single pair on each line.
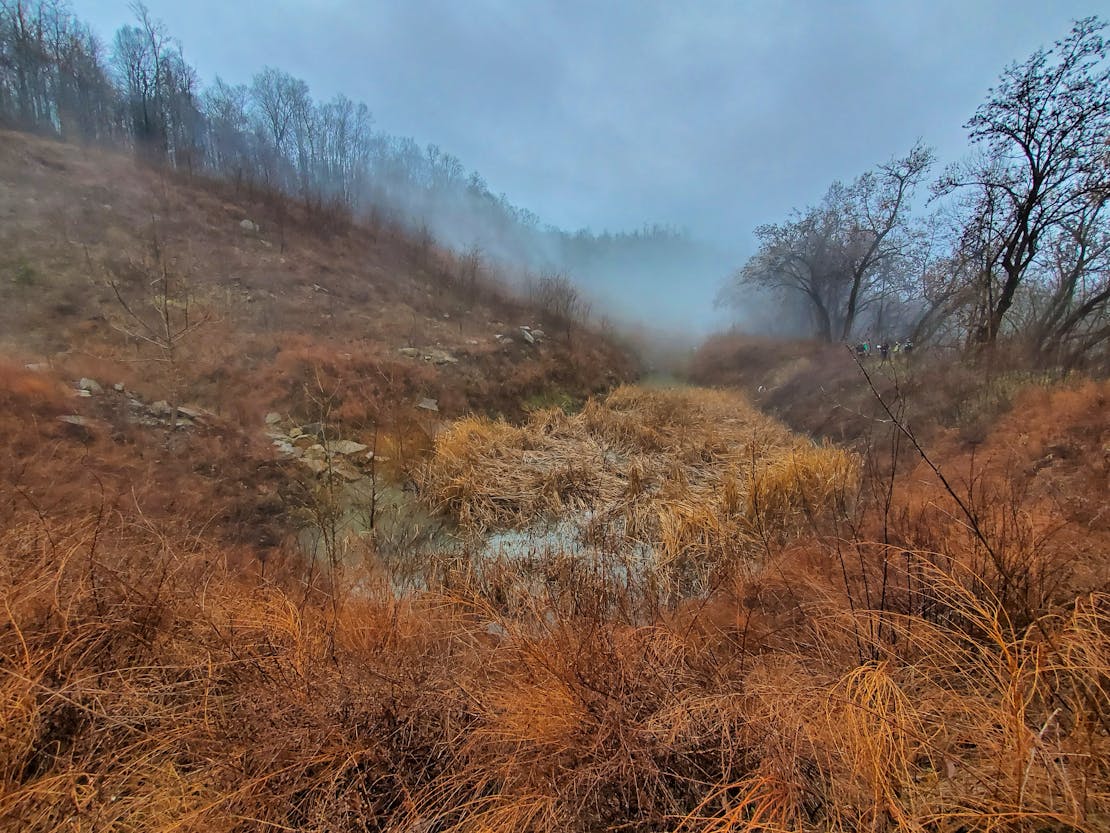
304, 290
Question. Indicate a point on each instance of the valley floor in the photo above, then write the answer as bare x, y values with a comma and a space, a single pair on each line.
815, 643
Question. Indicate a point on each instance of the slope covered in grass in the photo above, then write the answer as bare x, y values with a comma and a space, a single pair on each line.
278, 297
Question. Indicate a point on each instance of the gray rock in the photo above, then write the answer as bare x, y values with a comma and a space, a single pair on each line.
427, 404
83, 393
91, 385
314, 464
347, 447
315, 452
273, 418
527, 336
284, 447
118, 387
320, 431
496, 630
249, 226
411, 352
198, 414
441, 357
160, 408
78, 426
347, 472
539, 335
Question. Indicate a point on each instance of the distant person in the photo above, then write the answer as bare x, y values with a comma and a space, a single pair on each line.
861, 349
884, 352
907, 346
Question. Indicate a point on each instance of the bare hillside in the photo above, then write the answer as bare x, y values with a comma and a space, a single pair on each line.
276, 295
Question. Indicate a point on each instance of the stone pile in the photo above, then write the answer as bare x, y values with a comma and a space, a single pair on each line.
315, 447
138, 411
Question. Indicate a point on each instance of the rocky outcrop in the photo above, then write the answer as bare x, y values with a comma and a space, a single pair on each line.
319, 449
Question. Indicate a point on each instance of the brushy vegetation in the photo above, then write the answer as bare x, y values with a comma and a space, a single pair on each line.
687, 474
876, 669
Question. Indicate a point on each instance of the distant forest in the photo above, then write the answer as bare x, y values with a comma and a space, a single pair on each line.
139, 92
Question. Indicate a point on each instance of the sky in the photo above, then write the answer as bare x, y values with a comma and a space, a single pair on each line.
711, 116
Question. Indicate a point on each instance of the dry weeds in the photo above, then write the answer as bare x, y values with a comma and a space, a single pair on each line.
693, 475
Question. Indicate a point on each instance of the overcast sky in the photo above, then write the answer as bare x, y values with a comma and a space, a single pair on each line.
714, 116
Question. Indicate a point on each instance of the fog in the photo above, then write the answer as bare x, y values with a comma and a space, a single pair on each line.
703, 120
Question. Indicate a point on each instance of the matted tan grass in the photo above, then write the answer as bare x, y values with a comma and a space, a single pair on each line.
685, 472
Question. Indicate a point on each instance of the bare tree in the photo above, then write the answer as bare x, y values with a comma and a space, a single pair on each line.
1043, 134
154, 306
556, 296
843, 255
1070, 302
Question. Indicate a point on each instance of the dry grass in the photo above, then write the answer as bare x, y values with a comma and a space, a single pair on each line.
149, 686
695, 476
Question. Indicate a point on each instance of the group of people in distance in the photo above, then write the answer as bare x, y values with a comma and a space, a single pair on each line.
884, 349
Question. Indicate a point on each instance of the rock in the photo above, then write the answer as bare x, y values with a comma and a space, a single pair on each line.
91, 385
198, 414
78, 426
315, 452
496, 630
320, 431
249, 226
347, 447
347, 472
83, 393
268, 245
411, 352
295, 432
273, 418
317, 288
304, 441
315, 465
539, 335
527, 335
441, 357
118, 387
427, 404
284, 447
160, 408
37, 367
